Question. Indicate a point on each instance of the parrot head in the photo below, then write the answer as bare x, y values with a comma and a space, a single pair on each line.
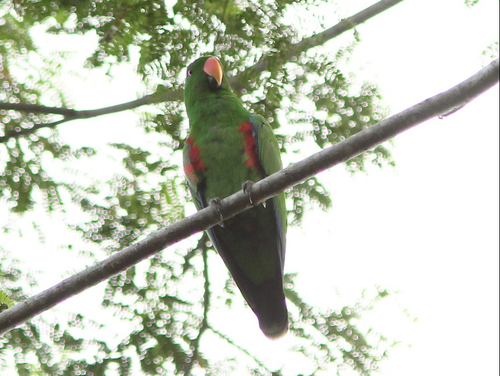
205, 79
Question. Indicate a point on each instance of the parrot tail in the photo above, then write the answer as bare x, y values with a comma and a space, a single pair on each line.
271, 311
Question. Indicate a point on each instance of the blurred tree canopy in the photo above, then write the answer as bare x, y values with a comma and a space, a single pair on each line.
164, 308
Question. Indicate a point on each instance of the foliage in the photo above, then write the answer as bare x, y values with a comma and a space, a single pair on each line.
336, 333
471, 3
491, 52
22, 167
305, 97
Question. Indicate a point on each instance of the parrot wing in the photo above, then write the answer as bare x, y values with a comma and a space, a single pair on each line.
268, 154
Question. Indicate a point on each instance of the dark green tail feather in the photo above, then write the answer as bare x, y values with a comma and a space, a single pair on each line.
253, 236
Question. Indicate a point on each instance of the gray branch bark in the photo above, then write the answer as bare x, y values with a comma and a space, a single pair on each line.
296, 49
440, 105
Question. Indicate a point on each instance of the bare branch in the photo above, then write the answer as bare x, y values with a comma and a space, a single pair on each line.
264, 189
294, 50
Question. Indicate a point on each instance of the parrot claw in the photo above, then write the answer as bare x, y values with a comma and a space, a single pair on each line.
215, 202
247, 189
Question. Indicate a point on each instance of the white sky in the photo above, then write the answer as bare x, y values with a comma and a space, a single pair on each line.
427, 228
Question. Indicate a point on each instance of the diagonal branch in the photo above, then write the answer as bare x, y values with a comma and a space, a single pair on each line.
173, 95
444, 103
345, 25
320, 38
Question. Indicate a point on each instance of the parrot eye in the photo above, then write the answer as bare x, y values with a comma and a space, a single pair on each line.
189, 72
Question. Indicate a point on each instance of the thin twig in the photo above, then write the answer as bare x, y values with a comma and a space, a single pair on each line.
242, 349
204, 321
200, 246
261, 191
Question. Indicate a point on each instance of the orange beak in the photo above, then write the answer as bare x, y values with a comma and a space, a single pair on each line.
213, 68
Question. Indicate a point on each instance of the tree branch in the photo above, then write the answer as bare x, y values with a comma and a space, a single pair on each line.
294, 50
369, 138
345, 25
318, 39
68, 113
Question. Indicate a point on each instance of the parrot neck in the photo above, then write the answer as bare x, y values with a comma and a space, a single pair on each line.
216, 110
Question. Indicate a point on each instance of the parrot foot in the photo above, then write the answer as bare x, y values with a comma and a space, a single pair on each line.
215, 202
247, 189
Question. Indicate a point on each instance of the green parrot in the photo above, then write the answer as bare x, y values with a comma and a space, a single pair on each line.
227, 147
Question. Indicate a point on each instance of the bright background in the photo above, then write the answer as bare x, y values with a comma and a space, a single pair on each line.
426, 230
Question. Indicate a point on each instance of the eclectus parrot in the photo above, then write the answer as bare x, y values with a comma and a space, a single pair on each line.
228, 146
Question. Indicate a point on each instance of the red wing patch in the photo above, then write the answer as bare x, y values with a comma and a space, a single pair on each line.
195, 163
247, 130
